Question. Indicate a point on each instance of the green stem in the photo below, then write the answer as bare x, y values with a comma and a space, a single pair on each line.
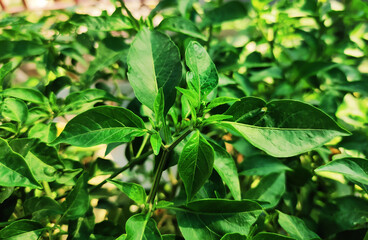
160, 169
132, 163
135, 22
142, 145
47, 189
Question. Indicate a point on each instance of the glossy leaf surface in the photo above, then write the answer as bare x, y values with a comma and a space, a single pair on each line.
77, 202
134, 191
15, 110
102, 125
181, 25
296, 227
141, 227
22, 229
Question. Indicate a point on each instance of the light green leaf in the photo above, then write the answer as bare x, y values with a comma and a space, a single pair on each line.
15, 110
77, 202
4, 71
296, 227
11, 49
22, 229
102, 125
224, 164
195, 163
181, 25
270, 190
26, 94
156, 142
355, 169
201, 65
44, 132
153, 63
134, 191
234, 236
220, 101
261, 165
191, 95
282, 128
270, 236
159, 107
212, 218
14, 171
142, 227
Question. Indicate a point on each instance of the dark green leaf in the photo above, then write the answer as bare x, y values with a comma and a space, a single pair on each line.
156, 142
14, 170
4, 71
77, 202
142, 227
102, 125
224, 164
76, 99
22, 229
270, 189
42, 207
134, 191
201, 65
159, 107
284, 128
153, 63
270, 236
81, 228
181, 25
227, 12
220, 101
355, 169
15, 110
195, 163
261, 165
11, 49
296, 227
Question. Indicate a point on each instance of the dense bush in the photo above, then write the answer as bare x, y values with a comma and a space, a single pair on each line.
248, 121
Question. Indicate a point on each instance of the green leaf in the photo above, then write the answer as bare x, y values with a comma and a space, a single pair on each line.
44, 132
134, 191
159, 107
42, 207
283, 128
296, 227
201, 65
224, 164
44, 162
77, 202
261, 165
156, 142
26, 94
14, 171
142, 227
11, 49
212, 218
22, 229
181, 25
76, 99
15, 110
355, 169
154, 63
227, 12
270, 236
269, 190
220, 101
4, 71
82, 228
234, 236
195, 163
191, 95
102, 125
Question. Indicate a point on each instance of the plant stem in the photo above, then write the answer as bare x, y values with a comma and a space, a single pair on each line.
47, 189
160, 168
142, 145
132, 18
132, 163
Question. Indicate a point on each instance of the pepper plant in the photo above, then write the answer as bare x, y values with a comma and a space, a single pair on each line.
206, 156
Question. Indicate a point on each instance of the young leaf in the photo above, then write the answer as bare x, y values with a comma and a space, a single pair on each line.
26, 94
154, 63
14, 171
296, 227
284, 128
225, 166
181, 25
201, 65
77, 202
15, 110
355, 169
134, 191
195, 163
156, 142
102, 125
220, 101
22, 229
44, 132
142, 227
